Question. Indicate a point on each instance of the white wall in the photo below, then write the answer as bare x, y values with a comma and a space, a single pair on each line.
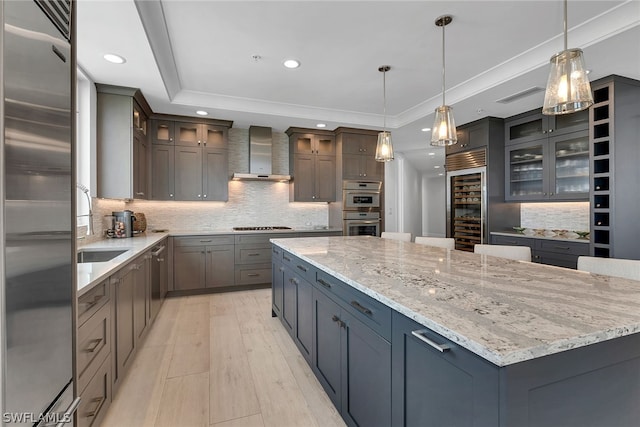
403, 197
433, 206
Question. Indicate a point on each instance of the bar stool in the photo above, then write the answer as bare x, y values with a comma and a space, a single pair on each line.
405, 237
625, 268
440, 242
518, 253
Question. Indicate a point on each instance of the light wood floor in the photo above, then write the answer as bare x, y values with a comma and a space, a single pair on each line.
220, 360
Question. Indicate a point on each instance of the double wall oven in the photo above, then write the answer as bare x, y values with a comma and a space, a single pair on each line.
361, 208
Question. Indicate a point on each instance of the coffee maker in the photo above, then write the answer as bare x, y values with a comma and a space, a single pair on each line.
123, 225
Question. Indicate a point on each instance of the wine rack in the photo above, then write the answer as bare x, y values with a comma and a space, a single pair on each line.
467, 227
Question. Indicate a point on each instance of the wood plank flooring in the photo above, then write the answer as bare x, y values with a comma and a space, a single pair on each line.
220, 360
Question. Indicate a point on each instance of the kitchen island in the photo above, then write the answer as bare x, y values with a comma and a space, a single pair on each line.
435, 337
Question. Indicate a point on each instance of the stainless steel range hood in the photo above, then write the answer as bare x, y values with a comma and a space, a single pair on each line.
260, 153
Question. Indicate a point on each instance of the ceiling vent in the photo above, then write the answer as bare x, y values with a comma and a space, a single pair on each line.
519, 95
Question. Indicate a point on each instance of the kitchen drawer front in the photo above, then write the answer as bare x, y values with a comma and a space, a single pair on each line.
372, 313
96, 397
203, 241
91, 302
553, 258
252, 255
260, 239
301, 267
513, 241
276, 253
253, 274
94, 344
560, 247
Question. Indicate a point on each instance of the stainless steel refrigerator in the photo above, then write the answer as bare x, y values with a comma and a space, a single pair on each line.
36, 227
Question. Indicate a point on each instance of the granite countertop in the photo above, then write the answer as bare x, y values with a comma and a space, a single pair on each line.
504, 311
212, 232
569, 237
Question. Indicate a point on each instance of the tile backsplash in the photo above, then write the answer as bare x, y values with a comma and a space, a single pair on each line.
573, 216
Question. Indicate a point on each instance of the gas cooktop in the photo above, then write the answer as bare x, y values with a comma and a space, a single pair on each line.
260, 228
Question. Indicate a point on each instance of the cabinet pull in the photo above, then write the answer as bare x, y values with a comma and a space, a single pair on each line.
90, 305
512, 242
253, 274
286, 258
565, 248
440, 347
95, 345
139, 193
205, 241
294, 281
253, 254
99, 402
281, 268
360, 308
302, 267
275, 251
339, 321
159, 251
323, 283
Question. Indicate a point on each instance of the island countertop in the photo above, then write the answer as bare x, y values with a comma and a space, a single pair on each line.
502, 310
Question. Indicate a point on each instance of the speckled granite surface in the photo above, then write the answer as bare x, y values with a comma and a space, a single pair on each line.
505, 311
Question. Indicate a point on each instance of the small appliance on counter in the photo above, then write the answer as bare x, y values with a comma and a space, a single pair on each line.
123, 224
139, 223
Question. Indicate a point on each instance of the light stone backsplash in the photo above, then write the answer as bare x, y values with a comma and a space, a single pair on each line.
572, 216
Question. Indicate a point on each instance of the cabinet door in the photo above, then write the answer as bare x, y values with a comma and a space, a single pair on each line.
213, 136
526, 171
568, 123
304, 178
325, 145
366, 374
140, 165
304, 317
124, 322
162, 132
352, 166
141, 297
436, 388
353, 143
162, 172
325, 179
188, 173
327, 352
525, 128
289, 304
461, 145
188, 134
303, 143
139, 119
277, 281
220, 270
569, 178
215, 167
189, 267
374, 170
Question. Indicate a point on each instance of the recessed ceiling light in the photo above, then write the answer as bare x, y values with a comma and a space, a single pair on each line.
440, 174
432, 153
202, 113
426, 129
291, 63
113, 58
436, 167
321, 125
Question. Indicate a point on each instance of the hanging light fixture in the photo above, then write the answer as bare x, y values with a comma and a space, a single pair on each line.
568, 88
443, 131
384, 149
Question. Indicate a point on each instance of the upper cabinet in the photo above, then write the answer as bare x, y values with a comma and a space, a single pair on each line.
122, 144
358, 150
200, 135
312, 162
161, 131
547, 157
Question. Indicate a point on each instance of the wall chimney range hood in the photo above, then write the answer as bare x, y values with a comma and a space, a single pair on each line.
260, 153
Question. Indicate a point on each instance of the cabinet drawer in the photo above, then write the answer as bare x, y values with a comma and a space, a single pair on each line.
276, 253
94, 344
366, 309
561, 247
251, 255
260, 239
301, 267
553, 258
96, 398
91, 302
253, 276
513, 241
203, 240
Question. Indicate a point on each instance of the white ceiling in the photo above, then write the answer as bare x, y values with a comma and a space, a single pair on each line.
189, 55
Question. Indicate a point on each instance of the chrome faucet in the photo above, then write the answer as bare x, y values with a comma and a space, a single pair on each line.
85, 190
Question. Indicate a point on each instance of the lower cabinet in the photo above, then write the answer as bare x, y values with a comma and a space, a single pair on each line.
203, 262
438, 383
561, 253
277, 281
298, 313
96, 398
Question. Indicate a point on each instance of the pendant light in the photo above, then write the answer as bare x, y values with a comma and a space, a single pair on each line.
384, 149
568, 88
443, 132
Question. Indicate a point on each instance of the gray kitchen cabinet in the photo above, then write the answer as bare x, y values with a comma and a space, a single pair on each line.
203, 262
199, 134
298, 304
142, 295
533, 125
96, 397
124, 291
558, 252
201, 173
312, 162
253, 258
161, 131
358, 149
438, 383
162, 172
123, 153
277, 281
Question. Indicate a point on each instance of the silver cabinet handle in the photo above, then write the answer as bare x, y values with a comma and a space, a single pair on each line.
68, 414
323, 283
160, 259
281, 269
440, 347
564, 248
253, 254
302, 267
253, 274
159, 251
205, 196
170, 195
205, 241
139, 193
286, 258
95, 345
360, 308
99, 402
275, 251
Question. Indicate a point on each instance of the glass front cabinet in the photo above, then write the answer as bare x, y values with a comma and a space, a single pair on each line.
553, 168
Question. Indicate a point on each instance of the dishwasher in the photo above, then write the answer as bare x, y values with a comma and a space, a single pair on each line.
158, 278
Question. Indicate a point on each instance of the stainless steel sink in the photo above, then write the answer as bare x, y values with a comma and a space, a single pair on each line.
99, 255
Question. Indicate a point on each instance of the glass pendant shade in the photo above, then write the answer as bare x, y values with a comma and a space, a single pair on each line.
568, 88
443, 132
384, 149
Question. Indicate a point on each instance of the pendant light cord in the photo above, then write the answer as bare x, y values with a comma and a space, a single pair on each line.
443, 103
384, 101
565, 25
